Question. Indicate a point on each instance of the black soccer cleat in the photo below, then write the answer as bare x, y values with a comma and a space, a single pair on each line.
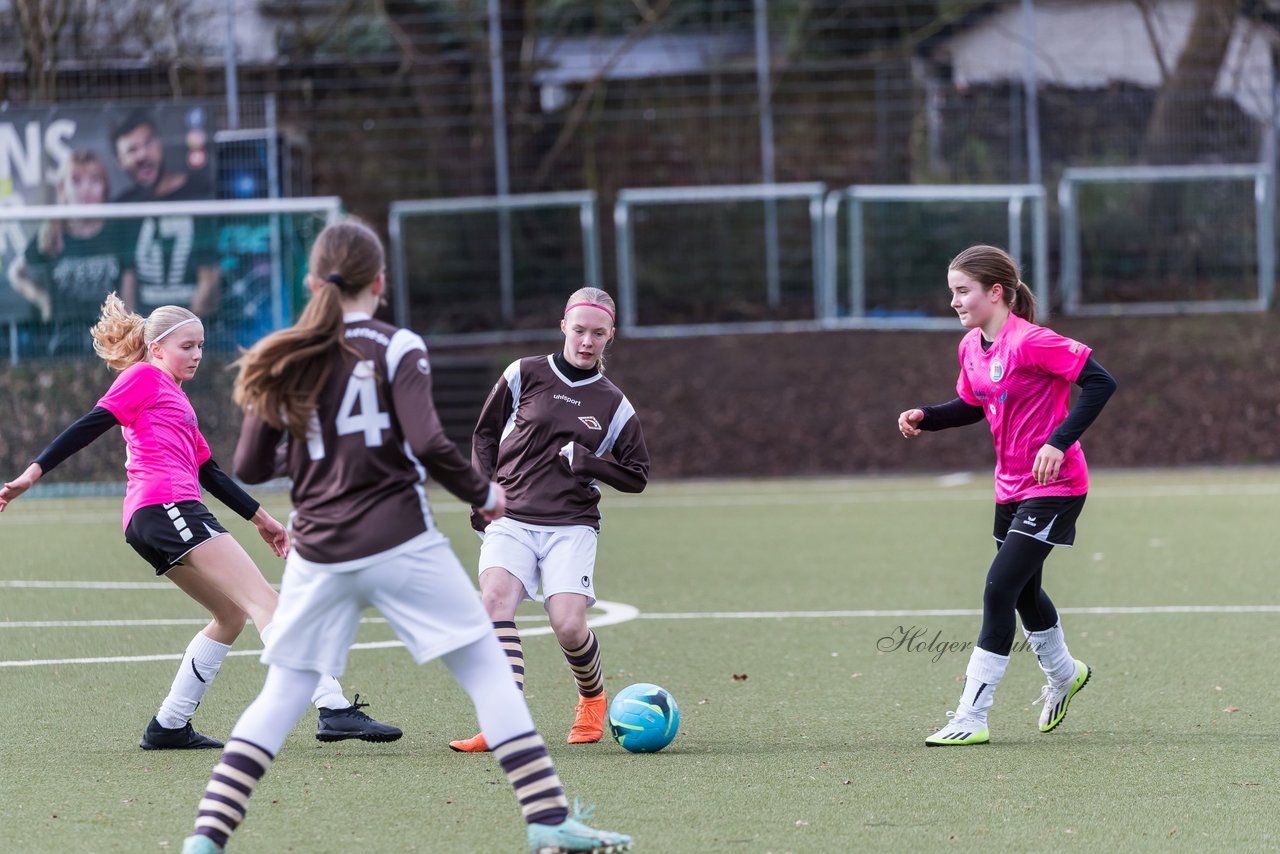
341, 724
156, 737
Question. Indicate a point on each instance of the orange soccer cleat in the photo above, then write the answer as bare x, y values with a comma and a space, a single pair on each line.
475, 744
588, 722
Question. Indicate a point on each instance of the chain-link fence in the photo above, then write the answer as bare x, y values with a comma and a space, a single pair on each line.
428, 99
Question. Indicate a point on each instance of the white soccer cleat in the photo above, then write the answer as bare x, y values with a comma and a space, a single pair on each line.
1056, 699
960, 732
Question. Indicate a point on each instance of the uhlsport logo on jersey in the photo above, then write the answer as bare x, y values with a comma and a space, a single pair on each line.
591, 423
997, 370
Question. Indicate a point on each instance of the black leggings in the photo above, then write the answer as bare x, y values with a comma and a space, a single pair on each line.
1013, 583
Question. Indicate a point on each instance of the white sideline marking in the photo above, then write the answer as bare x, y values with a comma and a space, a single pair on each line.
821, 492
91, 585
956, 612
614, 613
176, 621
619, 612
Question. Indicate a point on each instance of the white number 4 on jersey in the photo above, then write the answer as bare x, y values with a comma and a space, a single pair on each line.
362, 390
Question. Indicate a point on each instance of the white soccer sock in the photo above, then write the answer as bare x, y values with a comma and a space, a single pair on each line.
200, 664
980, 680
328, 693
1050, 647
279, 706
482, 670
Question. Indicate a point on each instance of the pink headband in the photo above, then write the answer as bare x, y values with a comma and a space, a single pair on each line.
572, 306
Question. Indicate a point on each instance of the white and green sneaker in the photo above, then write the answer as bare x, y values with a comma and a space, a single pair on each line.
573, 835
1056, 699
960, 732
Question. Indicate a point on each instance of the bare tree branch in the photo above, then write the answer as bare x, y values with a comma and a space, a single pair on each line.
1146, 9
652, 17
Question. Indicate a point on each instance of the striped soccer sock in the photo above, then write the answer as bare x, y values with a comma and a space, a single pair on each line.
585, 664
509, 639
226, 798
525, 761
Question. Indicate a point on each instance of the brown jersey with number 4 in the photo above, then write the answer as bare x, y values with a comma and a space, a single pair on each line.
534, 411
358, 479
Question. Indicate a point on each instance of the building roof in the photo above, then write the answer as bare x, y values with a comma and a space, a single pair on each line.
1093, 43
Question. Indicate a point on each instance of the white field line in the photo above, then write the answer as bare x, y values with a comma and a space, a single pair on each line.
618, 612
613, 613
821, 494
954, 612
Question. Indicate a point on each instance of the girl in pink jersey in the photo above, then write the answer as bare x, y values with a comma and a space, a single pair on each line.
350, 397
167, 462
1018, 376
552, 427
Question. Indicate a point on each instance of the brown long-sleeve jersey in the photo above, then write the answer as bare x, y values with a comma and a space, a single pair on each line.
374, 439
535, 410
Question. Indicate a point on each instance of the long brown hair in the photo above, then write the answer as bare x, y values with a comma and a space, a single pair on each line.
990, 266
121, 337
282, 375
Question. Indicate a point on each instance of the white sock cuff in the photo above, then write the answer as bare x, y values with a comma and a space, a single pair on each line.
985, 666
1049, 640
328, 694
206, 650
265, 633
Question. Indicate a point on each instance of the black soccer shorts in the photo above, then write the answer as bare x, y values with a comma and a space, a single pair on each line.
164, 533
1050, 520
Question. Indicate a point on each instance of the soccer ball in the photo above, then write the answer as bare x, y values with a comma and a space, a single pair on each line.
644, 718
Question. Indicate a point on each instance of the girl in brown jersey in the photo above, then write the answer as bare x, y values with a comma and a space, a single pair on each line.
350, 398
545, 436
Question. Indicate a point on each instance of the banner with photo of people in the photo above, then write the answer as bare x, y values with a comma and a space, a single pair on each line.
55, 274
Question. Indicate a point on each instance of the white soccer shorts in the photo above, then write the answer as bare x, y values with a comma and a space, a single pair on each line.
562, 559
424, 593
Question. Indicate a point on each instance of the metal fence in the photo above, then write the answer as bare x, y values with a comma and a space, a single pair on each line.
433, 100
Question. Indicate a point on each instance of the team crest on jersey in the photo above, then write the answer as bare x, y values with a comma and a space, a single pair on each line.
591, 423
997, 370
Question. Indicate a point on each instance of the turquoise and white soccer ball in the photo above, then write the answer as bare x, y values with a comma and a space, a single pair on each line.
644, 717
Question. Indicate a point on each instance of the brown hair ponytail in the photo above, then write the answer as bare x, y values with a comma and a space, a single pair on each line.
990, 266
282, 375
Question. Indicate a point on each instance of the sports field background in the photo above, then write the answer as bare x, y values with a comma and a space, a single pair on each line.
771, 610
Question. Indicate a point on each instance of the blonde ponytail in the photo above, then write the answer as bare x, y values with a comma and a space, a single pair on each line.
118, 336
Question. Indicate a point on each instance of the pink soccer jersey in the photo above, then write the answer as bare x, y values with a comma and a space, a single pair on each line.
1023, 384
163, 446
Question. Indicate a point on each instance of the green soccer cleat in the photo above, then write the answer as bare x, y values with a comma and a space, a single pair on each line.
1057, 699
960, 732
573, 835
200, 845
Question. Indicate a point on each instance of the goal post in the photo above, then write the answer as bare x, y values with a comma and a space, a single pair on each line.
445, 253
701, 252
1167, 239
938, 207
